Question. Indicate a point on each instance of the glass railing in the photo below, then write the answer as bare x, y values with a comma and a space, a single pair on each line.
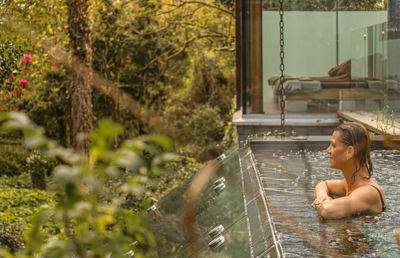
369, 52
220, 204
375, 60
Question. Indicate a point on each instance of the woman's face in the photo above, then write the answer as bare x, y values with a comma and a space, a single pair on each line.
337, 151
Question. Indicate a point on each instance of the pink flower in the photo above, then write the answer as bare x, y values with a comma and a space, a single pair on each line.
27, 57
30, 61
23, 62
23, 82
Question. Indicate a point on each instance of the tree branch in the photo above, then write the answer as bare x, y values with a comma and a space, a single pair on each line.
209, 5
201, 27
185, 45
200, 3
228, 49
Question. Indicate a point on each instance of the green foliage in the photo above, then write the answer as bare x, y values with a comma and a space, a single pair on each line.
179, 171
175, 59
18, 205
153, 60
89, 207
203, 108
12, 50
11, 235
183, 168
43, 96
229, 4
20, 181
48, 103
12, 159
148, 47
131, 49
39, 168
47, 16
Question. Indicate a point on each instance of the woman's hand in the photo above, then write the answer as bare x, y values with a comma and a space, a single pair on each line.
319, 200
321, 194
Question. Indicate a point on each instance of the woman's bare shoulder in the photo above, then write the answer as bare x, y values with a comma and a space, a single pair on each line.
367, 193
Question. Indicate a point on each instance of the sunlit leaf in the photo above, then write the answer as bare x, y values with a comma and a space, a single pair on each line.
163, 141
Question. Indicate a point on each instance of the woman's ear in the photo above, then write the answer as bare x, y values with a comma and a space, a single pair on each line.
350, 152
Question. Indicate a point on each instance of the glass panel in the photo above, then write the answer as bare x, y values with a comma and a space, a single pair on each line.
328, 59
213, 208
369, 64
375, 55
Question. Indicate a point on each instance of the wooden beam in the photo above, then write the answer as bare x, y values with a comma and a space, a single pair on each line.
238, 40
383, 126
256, 56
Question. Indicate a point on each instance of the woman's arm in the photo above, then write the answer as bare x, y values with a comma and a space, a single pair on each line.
362, 199
325, 189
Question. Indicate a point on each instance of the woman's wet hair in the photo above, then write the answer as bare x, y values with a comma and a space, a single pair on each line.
356, 135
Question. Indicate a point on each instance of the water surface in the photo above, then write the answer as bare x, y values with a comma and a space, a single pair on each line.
289, 178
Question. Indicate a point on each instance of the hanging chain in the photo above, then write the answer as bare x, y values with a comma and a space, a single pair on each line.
282, 67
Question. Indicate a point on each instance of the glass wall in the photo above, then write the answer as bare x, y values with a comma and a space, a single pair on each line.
338, 55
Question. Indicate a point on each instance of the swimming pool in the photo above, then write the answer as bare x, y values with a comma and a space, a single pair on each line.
288, 171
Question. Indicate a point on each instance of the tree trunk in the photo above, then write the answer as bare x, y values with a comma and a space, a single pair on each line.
81, 64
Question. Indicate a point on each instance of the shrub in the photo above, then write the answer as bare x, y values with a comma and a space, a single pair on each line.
12, 159
202, 109
39, 167
48, 105
91, 217
18, 206
12, 235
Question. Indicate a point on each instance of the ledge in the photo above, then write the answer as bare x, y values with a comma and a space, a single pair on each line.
330, 119
369, 120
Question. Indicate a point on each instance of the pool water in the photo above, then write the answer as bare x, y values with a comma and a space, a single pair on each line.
289, 178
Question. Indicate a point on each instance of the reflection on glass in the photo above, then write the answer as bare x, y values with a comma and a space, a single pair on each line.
214, 208
337, 56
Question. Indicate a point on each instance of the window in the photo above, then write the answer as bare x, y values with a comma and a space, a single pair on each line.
338, 55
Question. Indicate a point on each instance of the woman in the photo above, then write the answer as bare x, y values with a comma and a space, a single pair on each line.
349, 151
